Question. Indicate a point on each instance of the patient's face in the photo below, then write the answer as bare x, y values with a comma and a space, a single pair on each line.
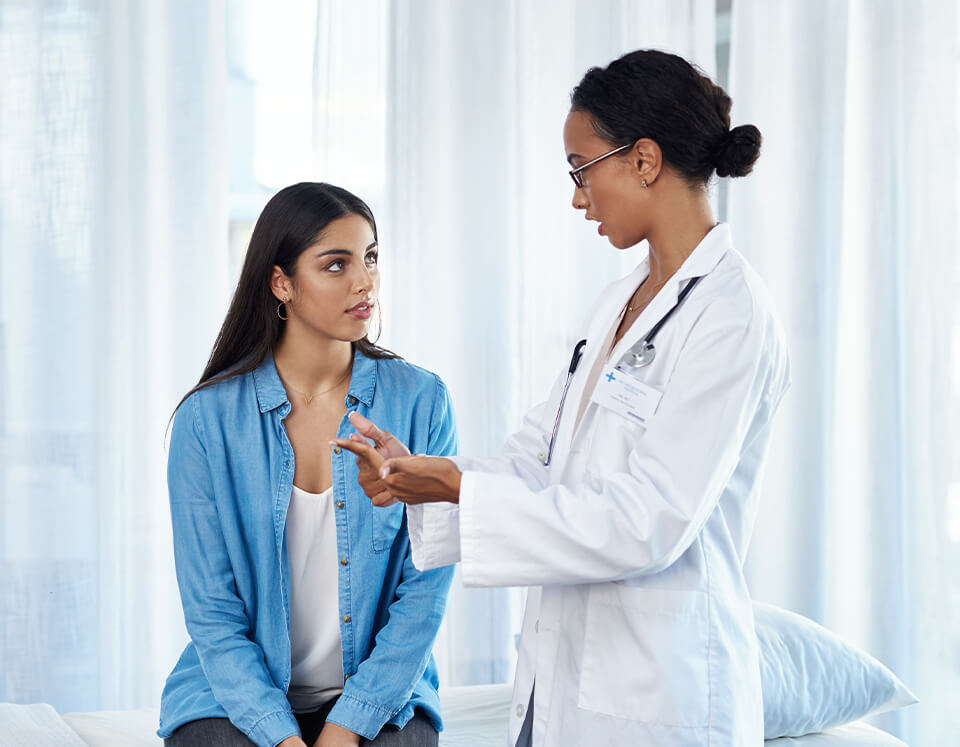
337, 281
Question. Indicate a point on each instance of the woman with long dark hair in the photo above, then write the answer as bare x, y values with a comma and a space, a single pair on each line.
308, 623
628, 498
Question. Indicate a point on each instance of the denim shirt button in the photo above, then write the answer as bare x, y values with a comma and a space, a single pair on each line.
352, 400
336, 449
346, 618
343, 561
339, 504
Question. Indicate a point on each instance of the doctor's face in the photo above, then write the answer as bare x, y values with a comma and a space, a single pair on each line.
609, 194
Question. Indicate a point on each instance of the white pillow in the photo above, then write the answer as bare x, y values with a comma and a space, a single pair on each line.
812, 679
35, 724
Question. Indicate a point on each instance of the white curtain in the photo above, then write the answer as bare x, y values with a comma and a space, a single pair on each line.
448, 119
113, 279
852, 218
489, 272
124, 166
115, 273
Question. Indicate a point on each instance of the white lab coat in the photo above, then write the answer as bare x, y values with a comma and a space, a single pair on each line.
639, 631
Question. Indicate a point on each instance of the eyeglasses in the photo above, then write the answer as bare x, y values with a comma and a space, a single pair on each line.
577, 173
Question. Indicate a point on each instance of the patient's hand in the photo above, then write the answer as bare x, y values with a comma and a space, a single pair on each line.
334, 735
370, 458
293, 741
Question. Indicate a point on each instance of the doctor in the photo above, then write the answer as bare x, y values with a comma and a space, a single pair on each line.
627, 499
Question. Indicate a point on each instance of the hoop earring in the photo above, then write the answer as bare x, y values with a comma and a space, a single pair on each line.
280, 306
379, 325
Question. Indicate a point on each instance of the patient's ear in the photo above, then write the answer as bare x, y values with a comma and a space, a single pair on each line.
280, 284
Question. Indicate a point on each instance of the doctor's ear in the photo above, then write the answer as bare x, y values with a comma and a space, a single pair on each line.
280, 284
648, 159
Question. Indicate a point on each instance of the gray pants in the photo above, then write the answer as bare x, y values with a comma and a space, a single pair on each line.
525, 737
219, 732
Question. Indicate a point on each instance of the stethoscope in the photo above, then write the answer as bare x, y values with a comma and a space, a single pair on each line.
639, 355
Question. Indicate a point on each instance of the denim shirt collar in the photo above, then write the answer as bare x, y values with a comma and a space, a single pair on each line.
271, 394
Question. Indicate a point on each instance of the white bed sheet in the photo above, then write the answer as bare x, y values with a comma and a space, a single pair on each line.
857, 734
474, 717
477, 717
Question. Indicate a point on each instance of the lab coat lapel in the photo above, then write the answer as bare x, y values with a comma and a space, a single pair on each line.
606, 314
701, 261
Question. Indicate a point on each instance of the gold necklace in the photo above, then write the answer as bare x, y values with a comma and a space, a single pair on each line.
308, 398
633, 297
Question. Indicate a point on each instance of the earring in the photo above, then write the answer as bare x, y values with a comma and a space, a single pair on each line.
379, 326
280, 306
643, 183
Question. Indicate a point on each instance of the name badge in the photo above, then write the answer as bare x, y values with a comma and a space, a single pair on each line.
626, 396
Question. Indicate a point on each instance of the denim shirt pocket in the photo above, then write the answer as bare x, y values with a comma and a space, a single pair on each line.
386, 523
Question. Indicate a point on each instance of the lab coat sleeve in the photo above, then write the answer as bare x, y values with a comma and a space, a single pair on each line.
215, 615
640, 518
435, 527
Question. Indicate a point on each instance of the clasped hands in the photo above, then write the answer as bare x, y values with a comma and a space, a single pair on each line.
388, 472
333, 735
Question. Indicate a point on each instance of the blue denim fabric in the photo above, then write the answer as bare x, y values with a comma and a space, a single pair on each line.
230, 472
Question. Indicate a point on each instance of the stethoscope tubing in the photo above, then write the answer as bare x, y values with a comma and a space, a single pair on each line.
574, 362
642, 353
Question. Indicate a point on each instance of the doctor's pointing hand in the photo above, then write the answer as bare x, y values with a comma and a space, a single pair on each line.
388, 473
627, 499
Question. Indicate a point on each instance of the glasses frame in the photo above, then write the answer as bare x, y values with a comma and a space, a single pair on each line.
577, 173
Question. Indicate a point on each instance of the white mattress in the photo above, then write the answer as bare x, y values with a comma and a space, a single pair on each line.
857, 734
473, 716
477, 717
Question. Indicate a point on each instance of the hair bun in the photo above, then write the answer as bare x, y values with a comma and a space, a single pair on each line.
738, 151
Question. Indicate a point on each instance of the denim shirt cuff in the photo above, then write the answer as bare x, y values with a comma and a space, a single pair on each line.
360, 717
273, 728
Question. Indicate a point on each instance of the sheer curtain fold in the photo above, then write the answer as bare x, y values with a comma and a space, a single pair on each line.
112, 281
164, 264
857, 236
492, 272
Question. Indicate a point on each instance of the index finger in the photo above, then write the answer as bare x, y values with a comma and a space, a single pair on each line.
362, 450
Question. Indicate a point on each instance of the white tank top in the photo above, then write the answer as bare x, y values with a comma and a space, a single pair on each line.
316, 658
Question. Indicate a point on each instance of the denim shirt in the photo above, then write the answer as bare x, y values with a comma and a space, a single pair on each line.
230, 474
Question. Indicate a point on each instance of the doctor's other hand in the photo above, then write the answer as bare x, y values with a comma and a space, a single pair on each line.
371, 458
422, 479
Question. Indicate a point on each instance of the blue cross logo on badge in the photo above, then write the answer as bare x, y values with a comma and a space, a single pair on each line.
610, 376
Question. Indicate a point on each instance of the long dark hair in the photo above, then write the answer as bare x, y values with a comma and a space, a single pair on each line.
289, 224
657, 95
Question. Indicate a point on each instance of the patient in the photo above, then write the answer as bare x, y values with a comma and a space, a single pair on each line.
309, 624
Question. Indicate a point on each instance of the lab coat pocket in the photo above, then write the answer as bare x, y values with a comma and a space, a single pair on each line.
386, 524
614, 439
645, 655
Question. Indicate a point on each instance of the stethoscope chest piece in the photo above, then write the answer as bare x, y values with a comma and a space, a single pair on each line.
641, 357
